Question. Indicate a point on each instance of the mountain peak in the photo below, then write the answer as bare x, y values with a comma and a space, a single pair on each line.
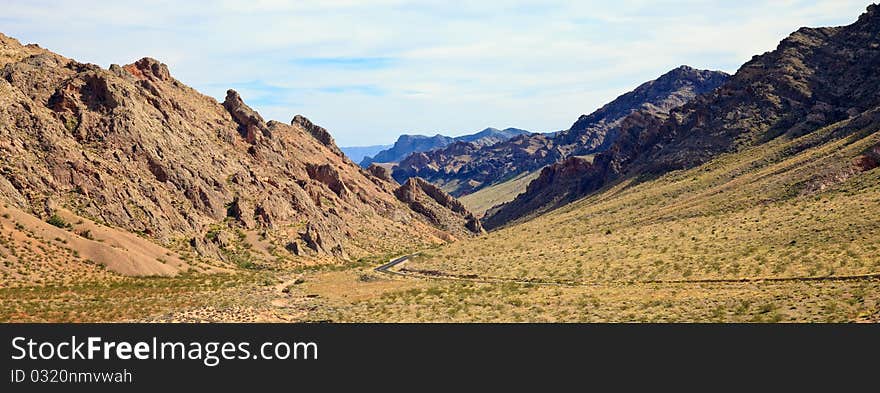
873, 11
687, 73
869, 22
150, 68
684, 68
482, 165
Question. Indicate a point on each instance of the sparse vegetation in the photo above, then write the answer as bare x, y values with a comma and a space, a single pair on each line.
740, 219
59, 222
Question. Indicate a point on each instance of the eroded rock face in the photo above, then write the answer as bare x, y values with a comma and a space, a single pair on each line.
322, 240
251, 124
148, 68
380, 172
326, 174
437, 206
242, 211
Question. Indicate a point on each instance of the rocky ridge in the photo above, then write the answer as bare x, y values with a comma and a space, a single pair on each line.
132, 148
816, 77
411, 144
434, 203
462, 169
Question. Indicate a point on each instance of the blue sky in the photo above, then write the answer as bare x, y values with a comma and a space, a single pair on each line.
369, 70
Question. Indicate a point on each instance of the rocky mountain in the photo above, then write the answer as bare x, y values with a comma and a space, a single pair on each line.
408, 144
440, 208
462, 169
405, 145
133, 149
597, 131
358, 153
491, 136
815, 78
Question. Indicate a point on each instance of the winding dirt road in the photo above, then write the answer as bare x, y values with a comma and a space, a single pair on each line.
437, 275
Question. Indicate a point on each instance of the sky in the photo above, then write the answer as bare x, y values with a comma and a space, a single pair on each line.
370, 70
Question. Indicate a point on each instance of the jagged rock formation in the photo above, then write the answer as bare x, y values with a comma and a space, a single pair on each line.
439, 207
251, 125
491, 136
321, 134
816, 77
405, 145
137, 150
462, 169
409, 144
597, 131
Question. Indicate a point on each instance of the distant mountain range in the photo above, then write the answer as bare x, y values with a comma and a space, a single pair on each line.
408, 144
358, 153
462, 168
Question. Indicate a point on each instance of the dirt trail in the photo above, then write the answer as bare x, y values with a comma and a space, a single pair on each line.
438, 275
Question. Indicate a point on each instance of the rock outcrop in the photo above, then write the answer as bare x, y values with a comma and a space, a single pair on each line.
322, 240
251, 125
318, 132
438, 207
380, 172
147, 68
325, 173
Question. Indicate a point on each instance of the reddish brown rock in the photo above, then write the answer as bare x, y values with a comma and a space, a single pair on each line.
438, 207
251, 125
135, 149
380, 172
318, 132
148, 68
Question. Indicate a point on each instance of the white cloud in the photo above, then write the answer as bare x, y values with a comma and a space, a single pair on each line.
451, 66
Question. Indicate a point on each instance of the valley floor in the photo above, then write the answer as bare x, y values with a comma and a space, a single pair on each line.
708, 244
356, 293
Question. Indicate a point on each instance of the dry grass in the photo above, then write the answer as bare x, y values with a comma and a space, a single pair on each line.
763, 302
494, 195
759, 213
752, 214
123, 298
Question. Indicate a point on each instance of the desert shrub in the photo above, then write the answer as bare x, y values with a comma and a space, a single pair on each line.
57, 221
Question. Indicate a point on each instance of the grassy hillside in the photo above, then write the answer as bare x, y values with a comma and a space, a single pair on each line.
485, 198
788, 208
